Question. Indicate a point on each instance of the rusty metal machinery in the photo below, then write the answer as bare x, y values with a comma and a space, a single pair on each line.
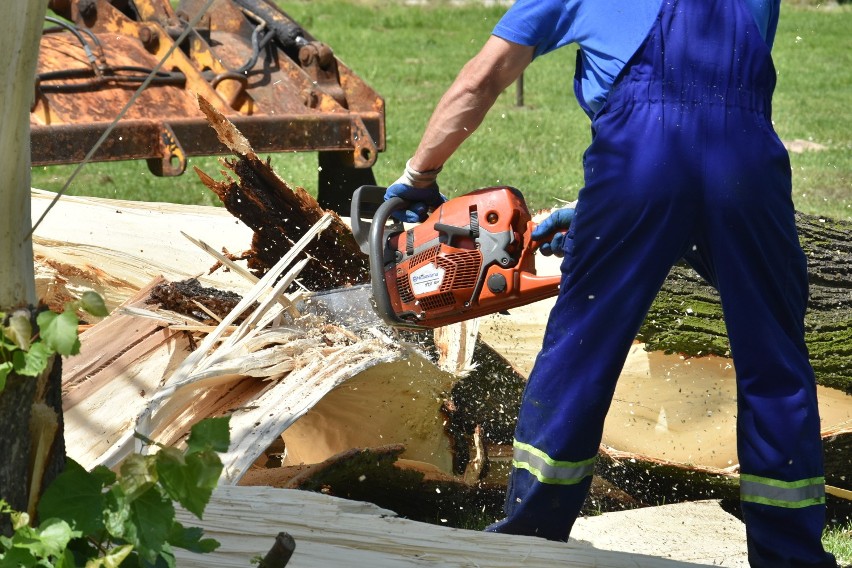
283, 90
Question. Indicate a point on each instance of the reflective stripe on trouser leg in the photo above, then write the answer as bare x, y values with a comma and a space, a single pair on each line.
787, 494
548, 470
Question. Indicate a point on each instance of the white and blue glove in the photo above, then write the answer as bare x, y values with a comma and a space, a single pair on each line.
556, 224
419, 188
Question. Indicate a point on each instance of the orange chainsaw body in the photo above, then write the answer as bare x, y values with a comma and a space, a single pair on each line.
473, 256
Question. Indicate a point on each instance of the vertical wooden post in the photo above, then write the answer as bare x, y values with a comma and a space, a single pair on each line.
519, 91
20, 30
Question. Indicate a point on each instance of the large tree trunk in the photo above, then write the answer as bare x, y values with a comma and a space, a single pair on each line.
687, 316
25, 401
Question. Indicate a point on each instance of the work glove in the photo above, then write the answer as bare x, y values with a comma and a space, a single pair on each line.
556, 224
419, 188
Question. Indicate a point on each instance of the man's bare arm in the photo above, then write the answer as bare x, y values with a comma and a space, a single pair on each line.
465, 104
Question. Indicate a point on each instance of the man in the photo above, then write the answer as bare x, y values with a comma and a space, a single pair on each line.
683, 163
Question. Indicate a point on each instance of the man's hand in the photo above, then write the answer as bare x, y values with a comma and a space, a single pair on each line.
421, 189
557, 225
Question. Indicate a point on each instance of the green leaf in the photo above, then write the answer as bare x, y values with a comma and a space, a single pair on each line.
138, 475
190, 539
18, 557
75, 496
66, 560
59, 331
106, 476
20, 330
5, 369
55, 534
167, 558
117, 519
41, 545
33, 362
93, 303
153, 514
112, 559
209, 434
189, 479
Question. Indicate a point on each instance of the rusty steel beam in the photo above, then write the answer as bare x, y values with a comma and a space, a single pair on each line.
142, 139
282, 88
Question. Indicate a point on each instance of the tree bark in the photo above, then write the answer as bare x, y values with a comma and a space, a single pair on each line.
687, 315
28, 406
15, 402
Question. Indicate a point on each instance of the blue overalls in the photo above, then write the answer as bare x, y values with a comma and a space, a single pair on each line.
684, 162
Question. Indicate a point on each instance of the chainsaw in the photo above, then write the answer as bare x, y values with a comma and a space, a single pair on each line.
473, 256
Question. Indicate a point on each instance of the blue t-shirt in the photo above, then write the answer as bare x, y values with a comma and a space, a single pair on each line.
608, 32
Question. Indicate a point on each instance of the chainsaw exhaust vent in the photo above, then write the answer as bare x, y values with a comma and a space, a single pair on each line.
462, 269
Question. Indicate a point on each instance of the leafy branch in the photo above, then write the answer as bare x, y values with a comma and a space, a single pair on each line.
101, 519
26, 353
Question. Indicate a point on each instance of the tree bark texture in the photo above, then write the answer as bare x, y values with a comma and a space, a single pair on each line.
16, 404
687, 315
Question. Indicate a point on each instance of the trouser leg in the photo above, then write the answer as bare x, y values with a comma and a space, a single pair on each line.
752, 251
623, 242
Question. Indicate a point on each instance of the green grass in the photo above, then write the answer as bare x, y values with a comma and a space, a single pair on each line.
813, 56
837, 539
410, 55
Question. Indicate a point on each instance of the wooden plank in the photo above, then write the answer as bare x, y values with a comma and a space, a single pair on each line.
337, 532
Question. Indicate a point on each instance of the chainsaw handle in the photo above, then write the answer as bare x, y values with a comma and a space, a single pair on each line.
377, 243
365, 202
369, 201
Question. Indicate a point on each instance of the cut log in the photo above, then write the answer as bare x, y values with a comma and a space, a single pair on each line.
687, 316
127, 357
